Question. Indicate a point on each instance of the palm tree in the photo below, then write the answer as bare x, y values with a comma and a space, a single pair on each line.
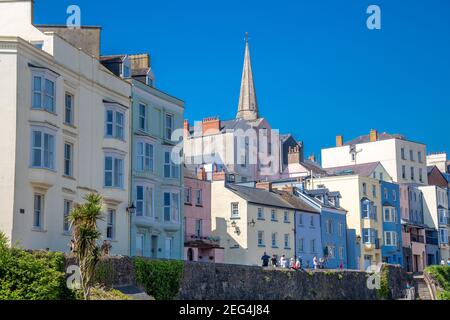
83, 219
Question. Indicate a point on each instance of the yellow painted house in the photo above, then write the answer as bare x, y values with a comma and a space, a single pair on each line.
361, 197
250, 221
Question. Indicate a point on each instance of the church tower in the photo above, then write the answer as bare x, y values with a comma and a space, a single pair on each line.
248, 105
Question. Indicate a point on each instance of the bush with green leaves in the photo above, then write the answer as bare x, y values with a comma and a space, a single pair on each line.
160, 278
31, 275
442, 276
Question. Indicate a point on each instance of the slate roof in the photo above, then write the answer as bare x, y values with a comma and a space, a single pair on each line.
259, 196
381, 136
297, 202
364, 169
313, 166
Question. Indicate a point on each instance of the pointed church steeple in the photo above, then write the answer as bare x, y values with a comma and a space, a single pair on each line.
248, 105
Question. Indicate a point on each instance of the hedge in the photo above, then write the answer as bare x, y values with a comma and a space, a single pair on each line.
31, 276
160, 278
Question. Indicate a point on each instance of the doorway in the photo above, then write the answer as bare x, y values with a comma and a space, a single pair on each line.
154, 247
139, 245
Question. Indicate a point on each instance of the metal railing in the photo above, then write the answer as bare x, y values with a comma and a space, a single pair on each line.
417, 238
210, 239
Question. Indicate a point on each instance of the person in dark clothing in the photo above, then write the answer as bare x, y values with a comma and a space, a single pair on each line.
265, 260
274, 261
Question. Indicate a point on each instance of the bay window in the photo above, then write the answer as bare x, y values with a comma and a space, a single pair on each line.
171, 207
170, 168
44, 89
113, 174
143, 117
144, 157
114, 124
42, 148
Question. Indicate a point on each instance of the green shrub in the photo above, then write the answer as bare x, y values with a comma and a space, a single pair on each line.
101, 293
31, 276
160, 278
384, 292
442, 275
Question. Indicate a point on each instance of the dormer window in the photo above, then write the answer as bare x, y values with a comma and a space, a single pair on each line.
149, 81
126, 67
37, 44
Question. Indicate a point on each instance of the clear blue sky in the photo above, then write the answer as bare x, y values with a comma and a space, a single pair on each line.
318, 70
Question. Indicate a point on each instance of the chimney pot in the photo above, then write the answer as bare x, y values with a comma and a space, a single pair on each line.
264, 185
339, 141
373, 135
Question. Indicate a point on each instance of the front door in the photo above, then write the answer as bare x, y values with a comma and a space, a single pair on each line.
154, 247
367, 261
139, 245
416, 263
168, 248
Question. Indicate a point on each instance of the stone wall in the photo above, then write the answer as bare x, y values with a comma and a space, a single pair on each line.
209, 281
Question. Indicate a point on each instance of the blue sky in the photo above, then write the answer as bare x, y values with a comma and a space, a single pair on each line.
318, 70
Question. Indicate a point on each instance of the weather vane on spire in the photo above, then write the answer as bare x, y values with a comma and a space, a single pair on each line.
246, 37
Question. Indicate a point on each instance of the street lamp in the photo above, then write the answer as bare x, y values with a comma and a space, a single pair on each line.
252, 223
131, 209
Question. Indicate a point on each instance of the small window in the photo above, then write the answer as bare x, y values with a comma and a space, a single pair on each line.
311, 221
411, 155
171, 207
198, 197
374, 191
144, 201
364, 189
235, 210
341, 252
300, 219
68, 110
144, 157
273, 215
412, 173
394, 195
67, 210
274, 240
313, 246
111, 224
143, 117
187, 195
38, 212
301, 245
113, 174
287, 241
260, 213
168, 126
286, 217
261, 238
68, 159
420, 175
402, 151
170, 168
386, 195
403, 172
329, 226
419, 157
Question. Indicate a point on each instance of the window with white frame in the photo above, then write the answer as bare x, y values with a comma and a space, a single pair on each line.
403, 172
44, 91
442, 216
199, 228
341, 252
386, 194
126, 67
369, 236
170, 168
261, 239
311, 221
171, 207
198, 197
235, 210
341, 229
402, 152
420, 175
412, 173
419, 156
144, 156
115, 123
329, 226
114, 171
381, 176
364, 188
144, 201
301, 245
331, 251
187, 195
66, 212
38, 212
168, 126
394, 195
68, 159
143, 111
443, 236
111, 224
300, 219
390, 214
390, 238
68, 108
260, 213
286, 217
374, 191
287, 241
312, 245
274, 239
42, 148
273, 215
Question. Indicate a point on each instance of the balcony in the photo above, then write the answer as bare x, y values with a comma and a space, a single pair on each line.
432, 240
417, 238
444, 220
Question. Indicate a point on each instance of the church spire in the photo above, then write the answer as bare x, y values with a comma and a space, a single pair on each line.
248, 105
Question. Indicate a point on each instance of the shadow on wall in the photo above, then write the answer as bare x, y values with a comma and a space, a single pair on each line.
233, 251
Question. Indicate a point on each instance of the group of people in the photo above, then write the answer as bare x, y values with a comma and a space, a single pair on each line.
293, 263
443, 262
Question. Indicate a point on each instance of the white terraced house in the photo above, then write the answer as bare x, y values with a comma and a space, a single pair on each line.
64, 123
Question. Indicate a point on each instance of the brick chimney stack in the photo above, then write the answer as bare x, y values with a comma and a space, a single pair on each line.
201, 174
294, 155
373, 135
312, 157
264, 185
339, 141
210, 125
186, 127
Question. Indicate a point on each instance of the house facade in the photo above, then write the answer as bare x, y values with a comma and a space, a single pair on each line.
251, 221
391, 250
199, 244
57, 142
361, 197
403, 159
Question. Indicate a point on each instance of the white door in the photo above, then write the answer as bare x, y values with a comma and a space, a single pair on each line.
139, 244
168, 249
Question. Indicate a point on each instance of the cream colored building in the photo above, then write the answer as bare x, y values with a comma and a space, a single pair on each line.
436, 216
404, 160
64, 123
361, 197
250, 221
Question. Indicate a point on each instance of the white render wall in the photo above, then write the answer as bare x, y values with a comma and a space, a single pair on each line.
90, 83
387, 152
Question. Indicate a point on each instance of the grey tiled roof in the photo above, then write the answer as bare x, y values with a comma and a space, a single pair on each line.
381, 136
297, 202
364, 169
260, 196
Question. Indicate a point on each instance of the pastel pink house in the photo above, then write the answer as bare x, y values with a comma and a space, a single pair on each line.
199, 244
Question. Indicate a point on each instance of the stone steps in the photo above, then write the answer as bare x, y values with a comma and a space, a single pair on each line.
422, 288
